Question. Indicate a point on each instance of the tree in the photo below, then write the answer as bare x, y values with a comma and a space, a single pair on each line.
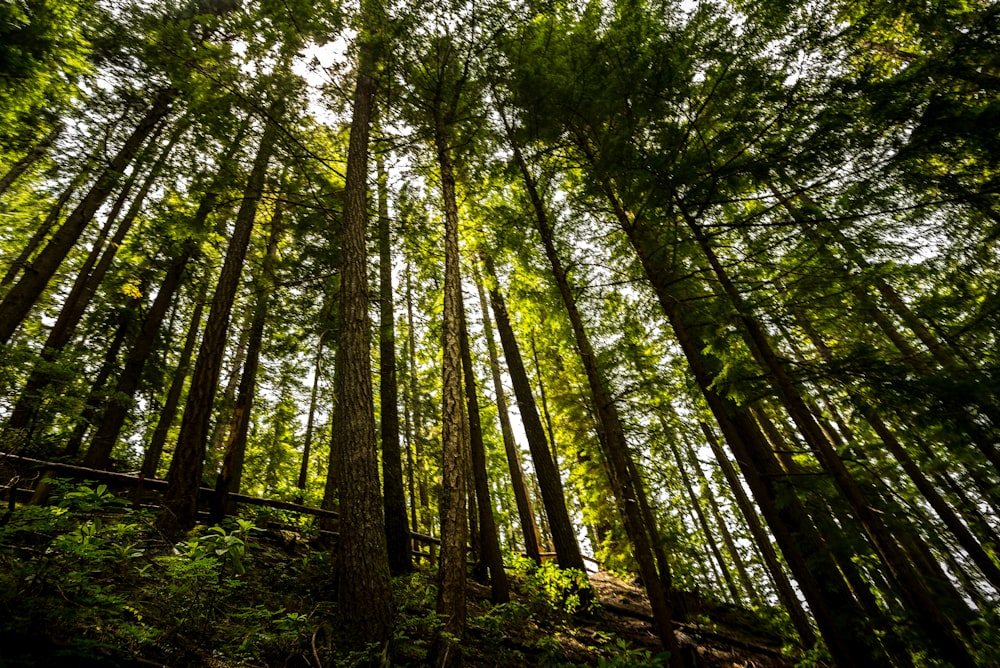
443, 105
363, 569
397, 532
550, 483
525, 513
747, 228
231, 472
499, 588
181, 498
655, 571
90, 277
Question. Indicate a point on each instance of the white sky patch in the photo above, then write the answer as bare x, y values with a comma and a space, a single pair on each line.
316, 59
318, 65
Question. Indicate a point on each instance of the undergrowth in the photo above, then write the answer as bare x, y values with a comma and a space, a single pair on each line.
87, 580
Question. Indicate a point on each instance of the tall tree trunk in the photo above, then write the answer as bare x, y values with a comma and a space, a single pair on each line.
82, 291
363, 577
985, 439
30, 158
480, 570
550, 484
181, 498
30, 399
227, 401
415, 412
99, 451
311, 418
154, 451
937, 348
522, 499
231, 475
839, 619
23, 295
844, 539
699, 512
397, 531
408, 438
923, 605
545, 534
97, 394
970, 543
785, 590
627, 488
489, 538
544, 401
454, 528
727, 537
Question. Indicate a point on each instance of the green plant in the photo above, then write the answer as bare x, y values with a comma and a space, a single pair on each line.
503, 616
988, 630
622, 656
86, 499
63, 569
229, 548
551, 648
558, 589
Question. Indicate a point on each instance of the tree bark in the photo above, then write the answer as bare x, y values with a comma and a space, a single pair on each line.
447, 651
549, 482
97, 395
522, 499
85, 286
970, 543
186, 467
543, 402
924, 607
626, 487
727, 537
154, 451
837, 615
99, 451
363, 577
231, 474
416, 414
727, 576
489, 537
311, 417
785, 590
397, 531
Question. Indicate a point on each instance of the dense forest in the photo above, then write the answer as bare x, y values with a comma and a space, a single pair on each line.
702, 291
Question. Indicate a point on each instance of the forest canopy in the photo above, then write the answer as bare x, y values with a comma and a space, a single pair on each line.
704, 291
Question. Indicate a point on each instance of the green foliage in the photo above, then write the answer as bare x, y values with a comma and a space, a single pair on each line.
620, 655
217, 543
58, 567
86, 499
42, 49
557, 589
91, 578
988, 646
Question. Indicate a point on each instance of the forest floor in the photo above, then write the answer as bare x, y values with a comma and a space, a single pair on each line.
618, 632
87, 581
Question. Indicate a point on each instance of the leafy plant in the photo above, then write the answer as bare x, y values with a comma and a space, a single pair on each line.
558, 589
86, 499
623, 656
